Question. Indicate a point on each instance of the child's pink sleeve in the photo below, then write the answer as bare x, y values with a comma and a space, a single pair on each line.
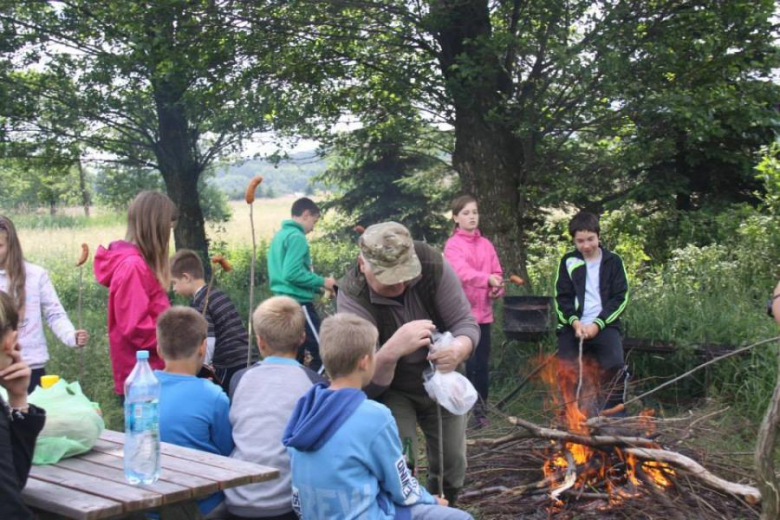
456, 257
496, 266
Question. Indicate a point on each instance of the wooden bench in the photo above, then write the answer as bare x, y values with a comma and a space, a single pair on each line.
93, 485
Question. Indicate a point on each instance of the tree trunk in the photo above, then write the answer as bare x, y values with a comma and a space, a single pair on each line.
488, 157
177, 143
85, 199
765, 455
177, 159
52, 208
488, 167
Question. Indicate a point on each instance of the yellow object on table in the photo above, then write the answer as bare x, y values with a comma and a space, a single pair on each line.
49, 381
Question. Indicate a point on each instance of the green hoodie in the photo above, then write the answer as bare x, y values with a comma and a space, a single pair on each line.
289, 264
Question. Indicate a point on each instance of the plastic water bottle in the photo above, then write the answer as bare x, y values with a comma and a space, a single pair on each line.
142, 423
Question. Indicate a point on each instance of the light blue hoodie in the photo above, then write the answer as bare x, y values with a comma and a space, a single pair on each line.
346, 459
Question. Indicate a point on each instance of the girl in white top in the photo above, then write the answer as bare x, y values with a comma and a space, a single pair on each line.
33, 293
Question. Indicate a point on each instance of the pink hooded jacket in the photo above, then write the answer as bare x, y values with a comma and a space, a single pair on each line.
135, 300
474, 259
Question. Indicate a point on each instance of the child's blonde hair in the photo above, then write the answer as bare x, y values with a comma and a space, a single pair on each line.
280, 323
344, 340
9, 316
149, 220
180, 331
14, 264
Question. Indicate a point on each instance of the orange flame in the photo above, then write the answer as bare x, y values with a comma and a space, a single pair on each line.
594, 466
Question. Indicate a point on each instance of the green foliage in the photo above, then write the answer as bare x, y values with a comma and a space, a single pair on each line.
28, 220
34, 182
769, 173
560, 104
172, 85
293, 174
117, 186
387, 171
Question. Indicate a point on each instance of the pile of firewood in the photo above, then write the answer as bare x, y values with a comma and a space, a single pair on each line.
506, 479
628, 467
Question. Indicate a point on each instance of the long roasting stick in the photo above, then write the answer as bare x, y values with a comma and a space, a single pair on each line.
217, 260
250, 199
710, 362
82, 260
579, 376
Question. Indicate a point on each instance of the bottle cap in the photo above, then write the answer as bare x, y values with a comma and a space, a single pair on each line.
49, 381
141, 354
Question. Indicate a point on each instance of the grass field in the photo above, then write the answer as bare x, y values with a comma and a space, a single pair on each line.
45, 242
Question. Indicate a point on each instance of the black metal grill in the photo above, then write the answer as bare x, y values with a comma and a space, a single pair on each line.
528, 318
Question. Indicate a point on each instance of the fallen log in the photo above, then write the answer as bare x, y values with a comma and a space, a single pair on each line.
751, 495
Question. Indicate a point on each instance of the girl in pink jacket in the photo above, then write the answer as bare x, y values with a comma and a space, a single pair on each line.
474, 259
137, 272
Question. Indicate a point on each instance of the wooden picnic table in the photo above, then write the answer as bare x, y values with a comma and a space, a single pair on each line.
92, 485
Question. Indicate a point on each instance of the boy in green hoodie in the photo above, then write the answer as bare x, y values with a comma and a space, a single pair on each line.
290, 271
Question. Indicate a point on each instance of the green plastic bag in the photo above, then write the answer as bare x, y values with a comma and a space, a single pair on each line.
73, 422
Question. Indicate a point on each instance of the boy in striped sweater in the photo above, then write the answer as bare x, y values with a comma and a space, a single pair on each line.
227, 335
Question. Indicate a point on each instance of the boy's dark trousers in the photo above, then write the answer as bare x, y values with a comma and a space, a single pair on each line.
607, 349
312, 341
226, 374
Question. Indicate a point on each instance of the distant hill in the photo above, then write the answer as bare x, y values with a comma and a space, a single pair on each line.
291, 175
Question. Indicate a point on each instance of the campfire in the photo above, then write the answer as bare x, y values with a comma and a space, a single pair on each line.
576, 469
594, 464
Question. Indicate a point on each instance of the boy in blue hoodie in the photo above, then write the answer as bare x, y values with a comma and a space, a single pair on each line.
345, 452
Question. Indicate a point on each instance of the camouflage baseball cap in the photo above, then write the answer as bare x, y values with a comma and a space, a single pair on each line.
389, 251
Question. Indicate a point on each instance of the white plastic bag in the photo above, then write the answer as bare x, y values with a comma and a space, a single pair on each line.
451, 390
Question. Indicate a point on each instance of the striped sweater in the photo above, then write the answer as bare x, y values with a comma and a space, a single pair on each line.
225, 326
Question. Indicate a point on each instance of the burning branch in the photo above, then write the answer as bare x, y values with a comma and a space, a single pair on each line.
595, 441
569, 480
749, 493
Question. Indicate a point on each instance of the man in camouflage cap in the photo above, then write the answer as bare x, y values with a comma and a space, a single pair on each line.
388, 249
407, 289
